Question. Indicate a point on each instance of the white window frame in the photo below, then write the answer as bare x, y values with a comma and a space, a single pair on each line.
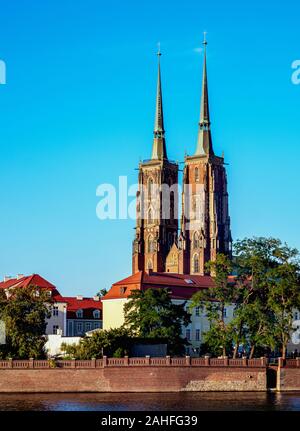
79, 313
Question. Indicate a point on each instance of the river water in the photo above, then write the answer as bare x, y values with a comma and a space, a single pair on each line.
196, 401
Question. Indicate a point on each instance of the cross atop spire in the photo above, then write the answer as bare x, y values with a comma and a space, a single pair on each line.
204, 145
159, 146
158, 50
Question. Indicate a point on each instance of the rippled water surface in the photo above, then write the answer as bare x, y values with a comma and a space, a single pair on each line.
152, 401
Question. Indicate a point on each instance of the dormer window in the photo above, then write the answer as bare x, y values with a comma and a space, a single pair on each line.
79, 314
122, 290
96, 314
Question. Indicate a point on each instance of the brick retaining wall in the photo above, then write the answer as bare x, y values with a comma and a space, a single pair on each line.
133, 375
288, 375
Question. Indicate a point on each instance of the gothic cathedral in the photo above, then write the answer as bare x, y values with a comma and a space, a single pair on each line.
160, 245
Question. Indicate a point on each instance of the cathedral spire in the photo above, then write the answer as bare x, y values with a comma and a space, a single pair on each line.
204, 144
159, 150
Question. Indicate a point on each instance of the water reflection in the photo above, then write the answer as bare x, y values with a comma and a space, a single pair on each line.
196, 401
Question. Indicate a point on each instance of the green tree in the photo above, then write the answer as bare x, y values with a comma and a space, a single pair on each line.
24, 314
268, 291
113, 343
152, 314
284, 294
213, 302
102, 292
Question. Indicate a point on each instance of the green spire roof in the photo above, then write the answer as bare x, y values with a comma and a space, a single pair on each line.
204, 144
159, 150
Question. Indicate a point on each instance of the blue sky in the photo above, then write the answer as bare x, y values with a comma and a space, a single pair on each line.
78, 111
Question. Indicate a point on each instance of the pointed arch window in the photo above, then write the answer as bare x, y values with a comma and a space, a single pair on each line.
149, 264
172, 206
196, 267
150, 216
170, 239
196, 241
150, 188
201, 242
151, 244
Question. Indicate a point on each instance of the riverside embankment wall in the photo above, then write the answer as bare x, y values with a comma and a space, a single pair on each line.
134, 375
288, 375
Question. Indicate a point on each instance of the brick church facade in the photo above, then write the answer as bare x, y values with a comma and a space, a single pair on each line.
160, 244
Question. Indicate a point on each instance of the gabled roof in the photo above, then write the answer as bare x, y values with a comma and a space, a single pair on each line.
31, 280
182, 286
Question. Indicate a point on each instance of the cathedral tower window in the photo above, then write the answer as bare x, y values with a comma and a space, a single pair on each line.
151, 245
196, 264
196, 242
150, 188
150, 216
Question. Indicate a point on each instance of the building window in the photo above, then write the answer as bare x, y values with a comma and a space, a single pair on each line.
197, 311
96, 314
79, 314
196, 263
172, 206
151, 246
188, 334
79, 327
296, 315
88, 326
96, 325
196, 174
196, 241
150, 188
70, 329
197, 334
55, 329
55, 310
122, 290
225, 312
150, 216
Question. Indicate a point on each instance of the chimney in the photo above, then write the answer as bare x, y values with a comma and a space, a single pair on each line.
20, 276
7, 277
96, 298
79, 297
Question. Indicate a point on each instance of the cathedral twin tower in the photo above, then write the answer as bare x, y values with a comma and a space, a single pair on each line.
160, 244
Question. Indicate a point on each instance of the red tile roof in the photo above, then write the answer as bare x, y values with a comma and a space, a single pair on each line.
182, 286
31, 280
87, 305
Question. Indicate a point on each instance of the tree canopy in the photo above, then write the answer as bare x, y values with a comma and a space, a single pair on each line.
265, 294
152, 314
113, 343
24, 313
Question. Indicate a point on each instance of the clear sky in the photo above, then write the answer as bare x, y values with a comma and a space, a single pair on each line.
78, 111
